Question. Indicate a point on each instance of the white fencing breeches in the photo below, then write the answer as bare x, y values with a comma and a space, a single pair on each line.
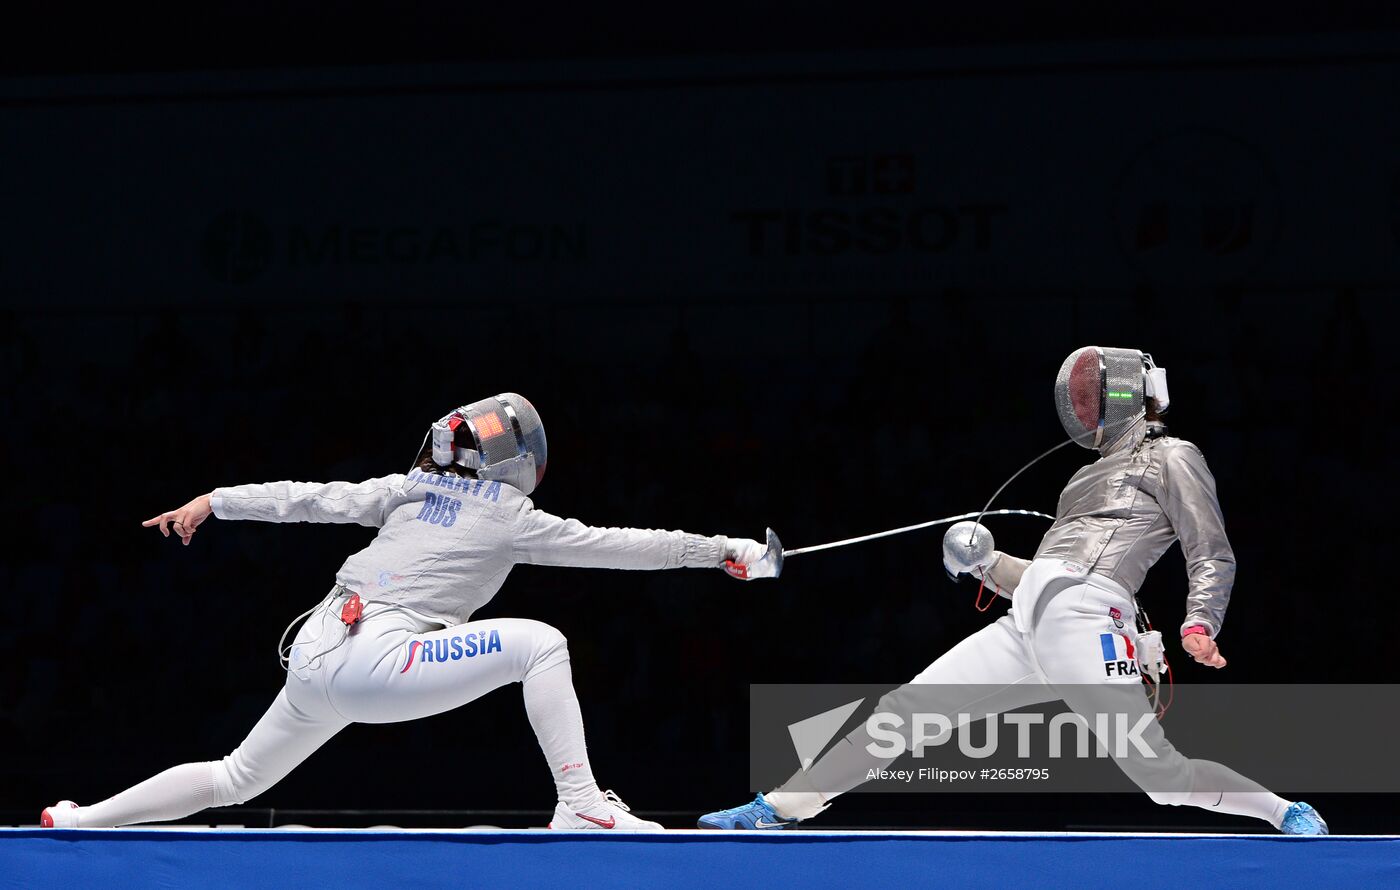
1070, 636
391, 666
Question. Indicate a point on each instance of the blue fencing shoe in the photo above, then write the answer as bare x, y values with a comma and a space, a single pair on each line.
1299, 819
756, 815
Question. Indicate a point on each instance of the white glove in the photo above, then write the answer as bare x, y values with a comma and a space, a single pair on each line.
978, 572
747, 559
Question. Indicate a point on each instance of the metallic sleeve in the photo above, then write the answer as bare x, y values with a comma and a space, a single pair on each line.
1189, 501
545, 539
1006, 571
364, 503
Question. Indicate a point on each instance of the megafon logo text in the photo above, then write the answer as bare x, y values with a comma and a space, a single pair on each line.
238, 247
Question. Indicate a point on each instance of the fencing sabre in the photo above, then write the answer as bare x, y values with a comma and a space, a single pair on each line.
777, 554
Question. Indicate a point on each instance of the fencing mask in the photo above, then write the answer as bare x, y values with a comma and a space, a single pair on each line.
1101, 391
501, 438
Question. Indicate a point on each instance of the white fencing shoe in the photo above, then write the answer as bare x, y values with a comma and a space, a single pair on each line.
608, 812
63, 814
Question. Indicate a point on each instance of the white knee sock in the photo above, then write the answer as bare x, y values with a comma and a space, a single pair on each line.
554, 713
1254, 800
173, 794
796, 804
1259, 804
839, 770
1267, 806
798, 799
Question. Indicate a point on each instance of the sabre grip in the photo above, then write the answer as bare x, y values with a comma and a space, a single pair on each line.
747, 560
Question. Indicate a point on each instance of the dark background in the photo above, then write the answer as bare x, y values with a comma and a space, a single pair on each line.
810, 266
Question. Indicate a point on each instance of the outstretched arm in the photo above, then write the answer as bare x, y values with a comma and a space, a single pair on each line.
364, 503
545, 539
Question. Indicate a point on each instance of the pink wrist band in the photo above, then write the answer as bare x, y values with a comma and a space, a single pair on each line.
1194, 629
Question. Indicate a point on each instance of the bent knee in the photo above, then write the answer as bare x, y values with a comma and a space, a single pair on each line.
547, 646
233, 783
543, 637
236, 782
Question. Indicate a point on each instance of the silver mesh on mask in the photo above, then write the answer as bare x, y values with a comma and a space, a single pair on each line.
1099, 393
501, 438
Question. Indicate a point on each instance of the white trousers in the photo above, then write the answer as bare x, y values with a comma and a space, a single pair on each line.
390, 667
1070, 636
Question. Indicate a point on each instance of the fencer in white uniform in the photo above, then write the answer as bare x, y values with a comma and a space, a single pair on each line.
393, 640
1072, 633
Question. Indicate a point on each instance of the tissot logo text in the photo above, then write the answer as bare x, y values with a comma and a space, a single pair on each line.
871, 204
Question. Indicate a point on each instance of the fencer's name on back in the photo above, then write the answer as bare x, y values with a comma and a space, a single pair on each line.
464, 484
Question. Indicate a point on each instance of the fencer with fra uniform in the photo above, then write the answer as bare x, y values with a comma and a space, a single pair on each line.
1072, 633
394, 639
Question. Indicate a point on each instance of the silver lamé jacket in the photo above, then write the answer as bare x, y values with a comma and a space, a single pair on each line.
1119, 514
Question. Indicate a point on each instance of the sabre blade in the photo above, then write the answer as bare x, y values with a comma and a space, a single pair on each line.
912, 528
